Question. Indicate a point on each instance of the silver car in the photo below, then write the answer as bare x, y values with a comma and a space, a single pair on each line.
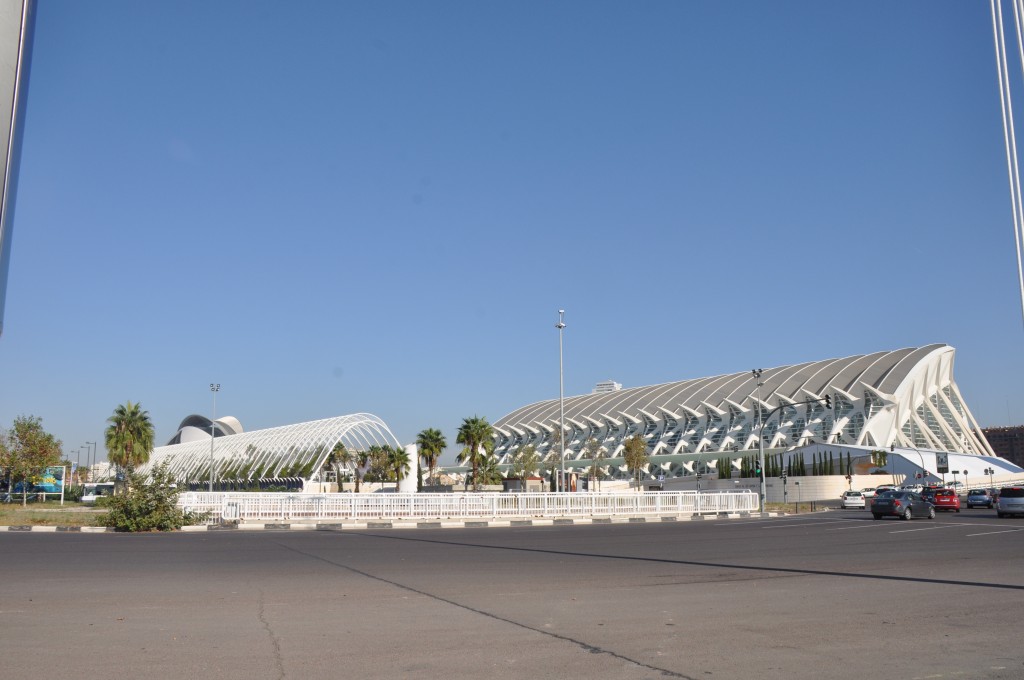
1010, 501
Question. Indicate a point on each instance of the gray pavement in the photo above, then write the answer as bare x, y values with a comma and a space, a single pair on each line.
830, 595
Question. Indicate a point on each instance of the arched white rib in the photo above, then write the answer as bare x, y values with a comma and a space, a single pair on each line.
1009, 132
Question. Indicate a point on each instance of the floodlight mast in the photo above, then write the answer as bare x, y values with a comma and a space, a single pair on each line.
215, 388
760, 436
560, 486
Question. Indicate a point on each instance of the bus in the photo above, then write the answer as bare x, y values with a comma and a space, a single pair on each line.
94, 490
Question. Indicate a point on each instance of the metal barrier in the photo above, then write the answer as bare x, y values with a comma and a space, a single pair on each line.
348, 506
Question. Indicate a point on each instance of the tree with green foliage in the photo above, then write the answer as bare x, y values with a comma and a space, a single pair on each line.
149, 505
362, 464
636, 457
477, 435
524, 463
431, 443
487, 472
339, 457
379, 464
26, 450
398, 462
595, 452
129, 437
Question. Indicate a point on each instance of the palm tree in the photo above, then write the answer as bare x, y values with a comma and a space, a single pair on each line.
129, 437
477, 435
488, 472
399, 460
431, 443
338, 458
362, 459
596, 454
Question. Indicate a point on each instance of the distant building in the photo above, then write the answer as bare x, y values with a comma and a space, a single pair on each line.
1007, 442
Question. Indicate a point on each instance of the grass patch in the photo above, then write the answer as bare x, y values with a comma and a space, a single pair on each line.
49, 513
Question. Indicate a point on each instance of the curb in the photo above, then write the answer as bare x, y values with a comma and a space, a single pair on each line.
335, 525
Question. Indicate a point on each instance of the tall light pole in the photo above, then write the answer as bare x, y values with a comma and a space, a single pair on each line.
561, 401
215, 388
924, 473
78, 460
760, 433
93, 446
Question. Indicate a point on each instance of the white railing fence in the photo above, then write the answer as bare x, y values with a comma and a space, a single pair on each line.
385, 506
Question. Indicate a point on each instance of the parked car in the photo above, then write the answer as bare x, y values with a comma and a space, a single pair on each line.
853, 499
1010, 501
980, 498
912, 488
902, 504
945, 499
869, 492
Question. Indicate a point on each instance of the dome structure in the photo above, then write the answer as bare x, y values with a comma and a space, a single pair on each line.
196, 428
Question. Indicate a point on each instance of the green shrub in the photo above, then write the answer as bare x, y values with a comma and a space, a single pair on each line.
73, 492
148, 505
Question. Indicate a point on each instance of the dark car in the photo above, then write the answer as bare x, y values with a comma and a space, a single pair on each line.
980, 498
902, 504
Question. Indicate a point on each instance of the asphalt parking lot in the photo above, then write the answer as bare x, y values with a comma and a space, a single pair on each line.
825, 595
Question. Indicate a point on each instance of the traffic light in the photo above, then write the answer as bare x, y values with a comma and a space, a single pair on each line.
757, 468
828, 401
783, 477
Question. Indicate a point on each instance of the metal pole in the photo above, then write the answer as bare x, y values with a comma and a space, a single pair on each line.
760, 434
92, 445
561, 399
215, 388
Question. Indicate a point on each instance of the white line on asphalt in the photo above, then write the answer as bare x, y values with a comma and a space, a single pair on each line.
931, 528
1005, 531
810, 524
861, 526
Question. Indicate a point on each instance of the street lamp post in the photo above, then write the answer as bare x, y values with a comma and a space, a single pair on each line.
91, 445
561, 401
78, 460
760, 433
215, 388
924, 472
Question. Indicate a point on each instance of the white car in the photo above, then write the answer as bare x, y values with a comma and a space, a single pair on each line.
868, 492
854, 499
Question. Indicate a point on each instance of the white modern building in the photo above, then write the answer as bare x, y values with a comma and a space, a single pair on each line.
906, 398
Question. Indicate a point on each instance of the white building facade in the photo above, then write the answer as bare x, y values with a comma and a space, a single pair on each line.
902, 398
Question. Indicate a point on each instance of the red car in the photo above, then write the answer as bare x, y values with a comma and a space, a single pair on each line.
946, 499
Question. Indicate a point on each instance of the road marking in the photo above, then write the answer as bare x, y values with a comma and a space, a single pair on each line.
811, 524
1005, 531
861, 526
931, 528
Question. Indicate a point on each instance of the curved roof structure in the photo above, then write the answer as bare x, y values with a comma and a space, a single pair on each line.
905, 397
289, 451
197, 428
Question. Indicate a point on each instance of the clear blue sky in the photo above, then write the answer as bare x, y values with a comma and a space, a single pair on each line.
338, 207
